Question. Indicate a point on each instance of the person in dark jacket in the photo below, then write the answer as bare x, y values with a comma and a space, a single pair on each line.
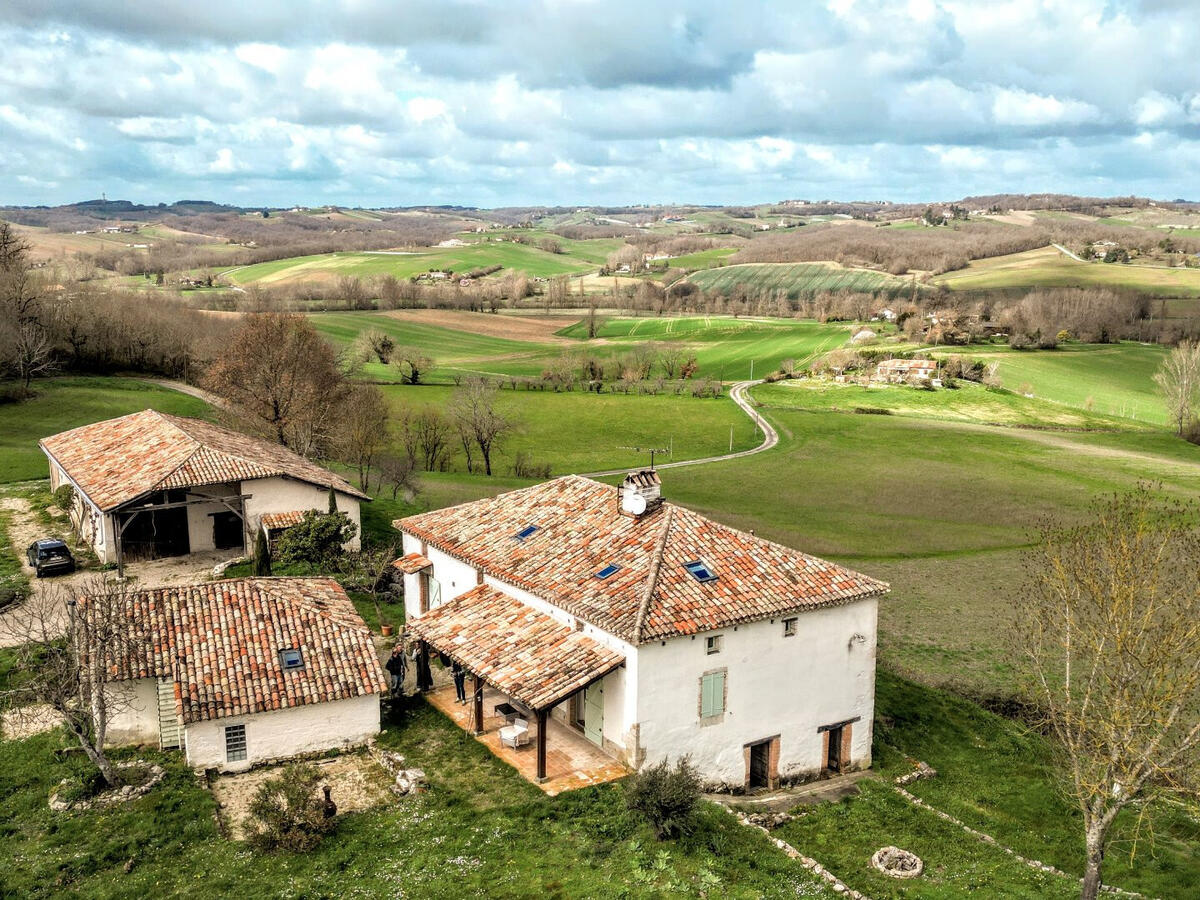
397, 667
460, 681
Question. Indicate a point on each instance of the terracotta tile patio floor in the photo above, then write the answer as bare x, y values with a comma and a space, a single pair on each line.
572, 761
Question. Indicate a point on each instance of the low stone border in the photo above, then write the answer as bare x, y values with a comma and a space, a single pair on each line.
988, 839
839, 886
405, 781
219, 569
109, 798
922, 770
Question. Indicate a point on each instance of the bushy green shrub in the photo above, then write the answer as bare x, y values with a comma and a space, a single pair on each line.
666, 796
287, 814
317, 539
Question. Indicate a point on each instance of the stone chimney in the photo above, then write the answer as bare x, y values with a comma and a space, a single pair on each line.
639, 493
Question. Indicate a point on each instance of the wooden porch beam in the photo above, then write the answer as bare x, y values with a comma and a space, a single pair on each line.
477, 684
151, 507
543, 716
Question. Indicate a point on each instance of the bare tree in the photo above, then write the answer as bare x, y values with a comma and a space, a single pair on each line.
378, 343
431, 435
1109, 631
1179, 381
283, 379
69, 639
671, 356
363, 429
32, 352
473, 409
412, 362
397, 471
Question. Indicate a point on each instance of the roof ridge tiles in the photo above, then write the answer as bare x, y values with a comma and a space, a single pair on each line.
652, 576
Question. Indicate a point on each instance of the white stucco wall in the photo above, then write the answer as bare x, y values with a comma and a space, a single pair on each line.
285, 732
90, 524
275, 495
133, 712
453, 576
775, 685
199, 517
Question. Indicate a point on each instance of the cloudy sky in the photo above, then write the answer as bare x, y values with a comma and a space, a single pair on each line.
514, 102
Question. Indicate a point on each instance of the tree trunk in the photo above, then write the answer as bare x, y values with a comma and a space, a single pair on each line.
1095, 859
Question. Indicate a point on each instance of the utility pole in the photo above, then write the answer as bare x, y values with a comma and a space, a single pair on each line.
751, 370
730, 438
650, 450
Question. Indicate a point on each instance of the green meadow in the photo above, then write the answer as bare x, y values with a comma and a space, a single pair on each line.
797, 279
1047, 267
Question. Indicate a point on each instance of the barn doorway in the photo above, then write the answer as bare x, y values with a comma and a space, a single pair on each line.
760, 765
227, 531
155, 533
833, 760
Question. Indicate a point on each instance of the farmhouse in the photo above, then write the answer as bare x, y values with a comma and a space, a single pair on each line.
149, 485
648, 629
243, 671
899, 371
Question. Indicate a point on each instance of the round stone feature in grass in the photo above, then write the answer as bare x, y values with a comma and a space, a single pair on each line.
897, 863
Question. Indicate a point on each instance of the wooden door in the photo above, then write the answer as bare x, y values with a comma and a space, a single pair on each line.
834, 761
759, 771
593, 713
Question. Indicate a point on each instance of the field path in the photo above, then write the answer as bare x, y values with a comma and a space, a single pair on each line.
738, 395
190, 389
1066, 251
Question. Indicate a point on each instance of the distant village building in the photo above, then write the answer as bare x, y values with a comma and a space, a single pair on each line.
648, 629
244, 671
149, 485
901, 371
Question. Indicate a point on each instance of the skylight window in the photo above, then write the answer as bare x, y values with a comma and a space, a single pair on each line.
291, 659
608, 571
700, 570
526, 532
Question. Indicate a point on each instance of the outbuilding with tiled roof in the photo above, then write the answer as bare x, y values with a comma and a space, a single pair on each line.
755, 658
149, 484
243, 670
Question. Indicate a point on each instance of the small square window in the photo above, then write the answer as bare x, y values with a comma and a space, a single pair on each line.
526, 532
235, 743
700, 570
608, 572
789, 627
291, 658
712, 644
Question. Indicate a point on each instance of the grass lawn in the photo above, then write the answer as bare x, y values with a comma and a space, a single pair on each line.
480, 830
582, 432
1047, 267
69, 402
1117, 379
970, 402
702, 259
797, 279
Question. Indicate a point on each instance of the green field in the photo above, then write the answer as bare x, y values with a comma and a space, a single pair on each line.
1047, 267
969, 402
1117, 379
63, 403
582, 432
703, 259
797, 279
401, 264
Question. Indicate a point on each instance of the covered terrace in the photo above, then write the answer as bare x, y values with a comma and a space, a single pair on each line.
522, 656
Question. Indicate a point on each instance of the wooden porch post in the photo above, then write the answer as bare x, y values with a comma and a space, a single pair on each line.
478, 685
541, 744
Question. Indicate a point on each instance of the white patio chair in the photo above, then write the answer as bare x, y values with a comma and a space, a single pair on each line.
515, 735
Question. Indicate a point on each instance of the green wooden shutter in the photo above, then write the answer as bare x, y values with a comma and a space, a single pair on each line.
712, 694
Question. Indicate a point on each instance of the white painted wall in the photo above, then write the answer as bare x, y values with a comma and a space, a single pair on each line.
199, 518
274, 495
788, 686
133, 712
285, 732
453, 576
90, 524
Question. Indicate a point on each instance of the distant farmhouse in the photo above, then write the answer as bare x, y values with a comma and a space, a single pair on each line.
149, 485
901, 371
647, 629
243, 671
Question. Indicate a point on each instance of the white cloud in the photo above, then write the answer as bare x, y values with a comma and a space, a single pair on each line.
1013, 106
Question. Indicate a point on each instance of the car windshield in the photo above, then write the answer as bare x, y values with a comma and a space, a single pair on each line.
51, 552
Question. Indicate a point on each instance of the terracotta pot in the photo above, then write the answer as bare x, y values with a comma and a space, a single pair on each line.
386, 630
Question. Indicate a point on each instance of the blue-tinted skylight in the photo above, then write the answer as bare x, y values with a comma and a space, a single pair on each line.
700, 570
608, 571
527, 531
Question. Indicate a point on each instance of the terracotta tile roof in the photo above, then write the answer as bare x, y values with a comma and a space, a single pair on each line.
119, 460
220, 641
412, 563
273, 521
525, 653
652, 595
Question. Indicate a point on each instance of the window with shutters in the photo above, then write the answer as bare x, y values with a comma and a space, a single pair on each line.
712, 697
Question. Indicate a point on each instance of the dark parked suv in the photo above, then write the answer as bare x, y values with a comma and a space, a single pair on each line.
50, 557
